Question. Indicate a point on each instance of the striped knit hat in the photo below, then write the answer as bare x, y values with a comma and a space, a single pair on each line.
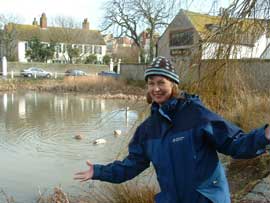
161, 66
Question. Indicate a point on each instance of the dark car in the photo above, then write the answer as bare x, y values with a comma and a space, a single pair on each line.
109, 74
35, 72
74, 72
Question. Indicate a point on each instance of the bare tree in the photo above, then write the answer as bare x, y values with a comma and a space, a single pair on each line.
126, 54
65, 22
155, 14
131, 17
8, 18
8, 35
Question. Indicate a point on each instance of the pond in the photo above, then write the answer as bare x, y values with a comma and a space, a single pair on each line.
37, 146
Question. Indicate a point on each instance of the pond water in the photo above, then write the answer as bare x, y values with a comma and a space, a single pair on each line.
37, 146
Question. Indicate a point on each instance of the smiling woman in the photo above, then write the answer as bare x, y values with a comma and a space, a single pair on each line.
161, 81
181, 137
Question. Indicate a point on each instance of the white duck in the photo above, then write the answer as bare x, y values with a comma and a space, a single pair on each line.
117, 132
99, 141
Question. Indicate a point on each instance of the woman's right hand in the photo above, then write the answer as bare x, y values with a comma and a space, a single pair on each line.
85, 175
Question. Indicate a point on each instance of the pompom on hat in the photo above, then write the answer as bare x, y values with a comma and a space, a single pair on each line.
162, 66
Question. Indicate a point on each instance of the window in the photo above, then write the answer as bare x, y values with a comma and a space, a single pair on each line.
88, 49
58, 48
80, 48
26, 46
98, 50
181, 38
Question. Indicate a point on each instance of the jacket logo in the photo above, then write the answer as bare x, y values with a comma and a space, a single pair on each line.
177, 139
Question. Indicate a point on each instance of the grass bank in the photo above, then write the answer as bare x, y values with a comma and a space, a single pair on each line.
92, 85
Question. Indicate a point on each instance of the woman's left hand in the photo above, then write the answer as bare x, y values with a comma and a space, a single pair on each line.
267, 133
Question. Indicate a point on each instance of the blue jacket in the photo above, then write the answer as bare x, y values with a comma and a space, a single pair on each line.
181, 139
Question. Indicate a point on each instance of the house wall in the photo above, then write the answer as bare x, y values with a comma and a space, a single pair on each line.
180, 23
61, 56
259, 50
209, 51
21, 51
262, 47
266, 53
2, 50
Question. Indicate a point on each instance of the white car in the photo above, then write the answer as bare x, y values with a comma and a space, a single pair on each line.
35, 72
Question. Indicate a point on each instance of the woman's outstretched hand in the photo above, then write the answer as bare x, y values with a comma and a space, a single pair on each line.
85, 175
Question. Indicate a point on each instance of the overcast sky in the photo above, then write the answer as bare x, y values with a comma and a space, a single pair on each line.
79, 9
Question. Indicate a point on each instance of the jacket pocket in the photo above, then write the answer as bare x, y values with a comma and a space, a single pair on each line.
216, 187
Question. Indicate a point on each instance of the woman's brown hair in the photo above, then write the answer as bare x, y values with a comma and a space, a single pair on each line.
175, 93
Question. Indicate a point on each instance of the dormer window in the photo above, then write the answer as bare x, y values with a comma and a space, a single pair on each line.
181, 38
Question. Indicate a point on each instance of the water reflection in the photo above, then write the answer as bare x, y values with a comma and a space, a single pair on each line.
21, 112
30, 106
36, 137
5, 102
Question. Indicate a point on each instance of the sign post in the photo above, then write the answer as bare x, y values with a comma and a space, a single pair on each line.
118, 66
111, 65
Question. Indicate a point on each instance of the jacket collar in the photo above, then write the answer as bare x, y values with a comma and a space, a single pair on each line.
167, 110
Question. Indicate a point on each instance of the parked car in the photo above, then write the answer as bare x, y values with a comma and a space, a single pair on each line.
35, 72
109, 74
75, 72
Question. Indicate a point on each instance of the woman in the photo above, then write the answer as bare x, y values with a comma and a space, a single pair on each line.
181, 138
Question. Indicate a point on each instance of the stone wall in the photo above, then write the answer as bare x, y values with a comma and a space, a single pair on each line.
132, 71
255, 71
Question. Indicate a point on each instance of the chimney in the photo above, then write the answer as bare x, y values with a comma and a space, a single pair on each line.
85, 24
35, 23
43, 21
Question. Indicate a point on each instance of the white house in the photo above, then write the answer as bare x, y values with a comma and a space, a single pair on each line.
86, 40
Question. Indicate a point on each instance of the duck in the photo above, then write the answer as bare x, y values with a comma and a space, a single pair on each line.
99, 141
78, 137
117, 132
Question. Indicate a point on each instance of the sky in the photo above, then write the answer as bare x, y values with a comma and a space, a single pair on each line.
27, 10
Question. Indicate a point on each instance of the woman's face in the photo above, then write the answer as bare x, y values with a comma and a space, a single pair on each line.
159, 88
